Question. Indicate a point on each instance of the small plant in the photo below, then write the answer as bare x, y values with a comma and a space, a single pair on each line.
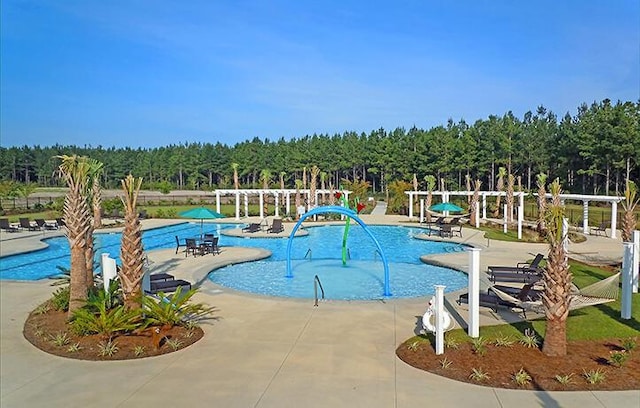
594, 376
529, 339
191, 325
60, 299
618, 358
43, 308
189, 334
445, 363
503, 341
175, 344
450, 342
414, 346
522, 377
478, 375
629, 344
479, 345
138, 351
60, 339
74, 348
565, 379
108, 348
39, 333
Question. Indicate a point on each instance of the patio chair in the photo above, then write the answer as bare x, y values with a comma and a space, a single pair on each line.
193, 247
253, 227
43, 225
276, 226
438, 223
178, 244
210, 244
6, 226
602, 228
26, 224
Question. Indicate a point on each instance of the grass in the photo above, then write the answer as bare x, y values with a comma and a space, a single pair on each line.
589, 323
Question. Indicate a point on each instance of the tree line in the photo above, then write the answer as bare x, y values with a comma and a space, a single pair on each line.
593, 152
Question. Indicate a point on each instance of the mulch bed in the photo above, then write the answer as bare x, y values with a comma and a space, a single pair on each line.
501, 363
40, 329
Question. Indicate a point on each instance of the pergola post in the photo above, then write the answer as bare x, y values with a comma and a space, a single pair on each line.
474, 293
614, 218
484, 206
288, 201
246, 204
636, 260
277, 204
585, 217
237, 205
627, 268
217, 201
421, 210
261, 197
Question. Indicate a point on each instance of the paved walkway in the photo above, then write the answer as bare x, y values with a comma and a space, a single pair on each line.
266, 352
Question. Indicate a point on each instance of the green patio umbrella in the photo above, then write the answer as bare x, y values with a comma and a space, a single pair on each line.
446, 206
201, 213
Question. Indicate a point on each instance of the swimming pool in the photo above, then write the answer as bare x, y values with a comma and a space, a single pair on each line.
45, 263
361, 278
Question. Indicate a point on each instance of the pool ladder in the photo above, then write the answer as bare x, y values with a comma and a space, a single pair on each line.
308, 254
316, 283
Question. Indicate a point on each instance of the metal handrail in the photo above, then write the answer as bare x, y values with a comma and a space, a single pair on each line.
375, 258
316, 283
348, 253
308, 253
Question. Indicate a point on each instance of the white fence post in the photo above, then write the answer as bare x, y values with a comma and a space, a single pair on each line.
474, 292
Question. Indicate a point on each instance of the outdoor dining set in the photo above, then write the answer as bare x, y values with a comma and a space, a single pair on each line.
203, 245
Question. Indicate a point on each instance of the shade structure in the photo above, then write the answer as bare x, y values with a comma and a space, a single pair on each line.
442, 207
201, 213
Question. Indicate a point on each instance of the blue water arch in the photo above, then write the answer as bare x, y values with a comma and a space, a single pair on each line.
354, 216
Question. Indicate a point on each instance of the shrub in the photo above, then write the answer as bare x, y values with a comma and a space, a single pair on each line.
529, 339
104, 314
594, 376
565, 379
629, 344
60, 339
108, 348
618, 358
173, 310
479, 345
478, 375
522, 377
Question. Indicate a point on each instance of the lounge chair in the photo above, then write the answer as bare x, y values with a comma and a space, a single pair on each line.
602, 228
26, 224
168, 286
60, 222
253, 227
530, 267
45, 225
276, 226
5, 225
515, 276
492, 300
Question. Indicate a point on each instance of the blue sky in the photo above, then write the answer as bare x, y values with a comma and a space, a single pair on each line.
152, 73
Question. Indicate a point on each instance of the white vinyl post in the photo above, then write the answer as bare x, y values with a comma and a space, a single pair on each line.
614, 218
520, 216
421, 210
261, 205
276, 195
439, 317
505, 220
246, 204
109, 270
477, 216
585, 217
627, 269
474, 292
484, 206
217, 201
636, 260
237, 205
410, 205
288, 201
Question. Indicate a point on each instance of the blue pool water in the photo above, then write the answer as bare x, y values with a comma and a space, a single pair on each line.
361, 278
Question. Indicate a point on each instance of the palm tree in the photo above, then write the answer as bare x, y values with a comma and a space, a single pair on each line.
314, 181
431, 184
502, 172
131, 250
510, 184
96, 201
557, 279
236, 183
95, 168
76, 170
541, 180
474, 201
265, 178
629, 205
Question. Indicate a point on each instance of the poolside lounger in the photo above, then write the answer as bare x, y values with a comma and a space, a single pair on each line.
253, 227
5, 225
493, 301
161, 277
168, 286
515, 276
276, 226
26, 224
528, 267
43, 225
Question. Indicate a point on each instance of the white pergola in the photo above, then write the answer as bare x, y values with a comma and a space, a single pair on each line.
276, 193
614, 200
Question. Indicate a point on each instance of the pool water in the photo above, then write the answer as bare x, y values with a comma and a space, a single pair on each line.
361, 278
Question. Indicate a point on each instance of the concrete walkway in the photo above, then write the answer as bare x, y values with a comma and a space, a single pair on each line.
265, 352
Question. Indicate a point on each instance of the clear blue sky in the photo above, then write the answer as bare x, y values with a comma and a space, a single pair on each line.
151, 73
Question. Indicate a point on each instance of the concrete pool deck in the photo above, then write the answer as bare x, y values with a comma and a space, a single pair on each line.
270, 352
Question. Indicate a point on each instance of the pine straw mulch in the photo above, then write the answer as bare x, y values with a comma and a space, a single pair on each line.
40, 329
500, 363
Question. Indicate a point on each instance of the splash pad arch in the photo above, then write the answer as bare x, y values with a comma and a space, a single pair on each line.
354, 216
